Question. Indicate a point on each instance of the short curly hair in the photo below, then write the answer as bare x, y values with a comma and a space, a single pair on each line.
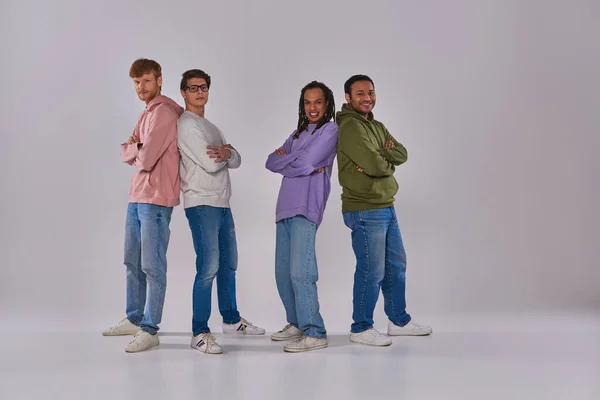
143, 66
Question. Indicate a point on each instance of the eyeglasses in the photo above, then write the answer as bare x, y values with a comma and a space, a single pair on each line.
194, 88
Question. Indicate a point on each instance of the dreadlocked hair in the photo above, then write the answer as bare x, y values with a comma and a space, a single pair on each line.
329, 112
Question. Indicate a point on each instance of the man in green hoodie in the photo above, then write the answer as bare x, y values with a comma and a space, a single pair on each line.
367, 156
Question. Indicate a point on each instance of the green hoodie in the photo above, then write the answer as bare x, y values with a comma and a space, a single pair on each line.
361, 142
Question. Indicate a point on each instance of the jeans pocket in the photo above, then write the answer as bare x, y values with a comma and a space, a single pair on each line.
349, 219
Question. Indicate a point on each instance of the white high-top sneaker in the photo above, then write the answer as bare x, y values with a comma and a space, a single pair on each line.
306, 343
142, 340
371, 337
206, 343
288, 333
242, 328
410, 329
123, 327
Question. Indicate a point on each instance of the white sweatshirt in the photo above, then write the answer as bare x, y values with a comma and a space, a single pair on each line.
203, 181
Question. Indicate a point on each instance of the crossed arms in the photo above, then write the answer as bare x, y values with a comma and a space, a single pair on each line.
304, 162
162, 132
192, 142
369, 158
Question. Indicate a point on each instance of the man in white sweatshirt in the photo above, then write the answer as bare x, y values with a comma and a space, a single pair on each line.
204, 171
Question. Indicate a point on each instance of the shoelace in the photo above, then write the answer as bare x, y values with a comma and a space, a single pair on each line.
137, 337
211, 339
247, 323
416, 325
208, 339
302, 341
118, 324
374, 334
287, 327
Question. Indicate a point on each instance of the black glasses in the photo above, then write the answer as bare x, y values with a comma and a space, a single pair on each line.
194, 88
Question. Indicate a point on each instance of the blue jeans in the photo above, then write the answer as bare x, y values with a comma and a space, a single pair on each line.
146, 240
296, 274
380, 264
213, 233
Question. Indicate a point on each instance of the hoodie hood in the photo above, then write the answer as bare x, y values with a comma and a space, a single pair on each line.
348, 112
161, 99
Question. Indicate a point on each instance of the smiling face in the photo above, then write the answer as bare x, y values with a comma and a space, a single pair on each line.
362, 97
314, 104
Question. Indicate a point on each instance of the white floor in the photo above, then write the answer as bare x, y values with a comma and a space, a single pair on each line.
484, 365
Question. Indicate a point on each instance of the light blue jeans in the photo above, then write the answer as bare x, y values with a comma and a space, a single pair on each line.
380, 265
146, 240
296, 274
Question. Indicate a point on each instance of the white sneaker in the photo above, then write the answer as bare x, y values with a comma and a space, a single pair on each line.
288, 333
371, 337
206, 343
242, 328
142, 340
410, 329
306, 343
123, 327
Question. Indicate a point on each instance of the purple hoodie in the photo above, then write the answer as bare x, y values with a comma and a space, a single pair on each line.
304, 191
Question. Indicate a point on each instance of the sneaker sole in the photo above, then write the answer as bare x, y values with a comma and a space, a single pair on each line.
120, 334
204, 352
409, 334
236, 333
301, 350
371, 344
139, 351
283, 339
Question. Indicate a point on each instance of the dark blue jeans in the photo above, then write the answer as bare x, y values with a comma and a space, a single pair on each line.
213, 233
380, 264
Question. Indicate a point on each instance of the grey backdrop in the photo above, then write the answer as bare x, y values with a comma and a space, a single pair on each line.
496, 101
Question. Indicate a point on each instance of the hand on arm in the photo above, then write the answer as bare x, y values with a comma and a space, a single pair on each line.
233, 157
219, 153
393, 151
280, 158
193, 144
129, 152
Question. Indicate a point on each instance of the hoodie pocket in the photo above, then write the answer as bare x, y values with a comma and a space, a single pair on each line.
386, 187
357, 182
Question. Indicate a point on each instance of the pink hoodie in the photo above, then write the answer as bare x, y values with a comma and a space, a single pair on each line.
156, 180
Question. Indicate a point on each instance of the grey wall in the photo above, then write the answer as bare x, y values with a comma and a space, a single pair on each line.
496, 101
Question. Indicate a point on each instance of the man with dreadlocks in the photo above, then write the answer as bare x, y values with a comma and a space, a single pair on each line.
367, 158
305, 160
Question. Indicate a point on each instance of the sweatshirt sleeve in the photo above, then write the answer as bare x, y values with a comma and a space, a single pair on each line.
161, 133
276, 162
319, 154
398, 155
236, 159
192, 142
356, 145
129, 152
